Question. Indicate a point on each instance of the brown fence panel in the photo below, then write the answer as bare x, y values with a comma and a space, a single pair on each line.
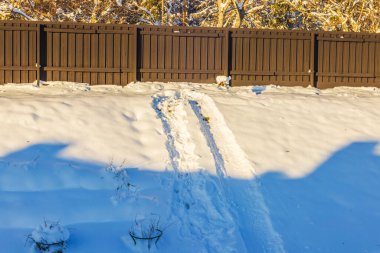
271, 57
94, 54
120, 54
19, 52
182, 54
348, 59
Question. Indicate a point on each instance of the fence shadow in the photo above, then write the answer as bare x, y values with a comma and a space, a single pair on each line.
335, 209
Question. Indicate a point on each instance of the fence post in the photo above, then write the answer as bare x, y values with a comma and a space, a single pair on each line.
136, 54
41, 52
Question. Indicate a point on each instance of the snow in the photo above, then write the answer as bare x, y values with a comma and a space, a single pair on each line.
50, 233
119, 2
249, 169
223, 80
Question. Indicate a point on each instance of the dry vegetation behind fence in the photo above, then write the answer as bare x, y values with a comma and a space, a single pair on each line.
120, 54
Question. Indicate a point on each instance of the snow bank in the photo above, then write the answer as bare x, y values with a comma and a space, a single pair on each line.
50, 237
50, 233
272, 169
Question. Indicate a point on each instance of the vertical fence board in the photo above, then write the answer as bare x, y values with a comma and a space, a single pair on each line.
94, 57
63, 56
24, 55
109, 57
376, 69
182, 57
16, 55
8, 55
2, 54
161, 56
86, 57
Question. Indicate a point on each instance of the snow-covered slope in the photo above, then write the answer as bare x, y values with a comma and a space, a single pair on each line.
250, 169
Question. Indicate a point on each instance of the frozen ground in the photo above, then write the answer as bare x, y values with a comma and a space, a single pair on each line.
253, 169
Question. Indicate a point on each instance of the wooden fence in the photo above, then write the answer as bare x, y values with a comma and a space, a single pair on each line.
120, 54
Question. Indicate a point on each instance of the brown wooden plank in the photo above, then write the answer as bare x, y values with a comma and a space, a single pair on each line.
279, 63
339, 61
269, 73
373, 62
102, 31
333, 59
2, 55
273, 58
87, 69
87, 56
69, 30
24, 51
161, 56
109, 57
176, 50
174, 34
352, 59
197, 57
293, 59
326, 59
125, 47
63, 55
268, 35
154, 56
349, 75
190, 57
16, 55
182, 58
245, 57
346, 60
49, 54
34, 55
18, 28
349, 39
186, 71
308, 60
94, 52
134, 59
239, 57
204, 58
365, 60
377, 63
147, 53
252, 59
319, 67
8, 55
211, 57
79, 56
361, 60
224, 49
19, 68
56, 54
286, 62
117, 58
71, 55
299, 56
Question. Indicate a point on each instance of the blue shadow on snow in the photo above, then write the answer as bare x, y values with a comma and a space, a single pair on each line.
334, 209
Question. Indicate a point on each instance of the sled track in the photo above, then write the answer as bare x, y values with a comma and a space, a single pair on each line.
236, 198
197, 200
247, 202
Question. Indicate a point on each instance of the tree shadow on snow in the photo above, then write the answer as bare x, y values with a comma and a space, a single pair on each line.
336, 208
